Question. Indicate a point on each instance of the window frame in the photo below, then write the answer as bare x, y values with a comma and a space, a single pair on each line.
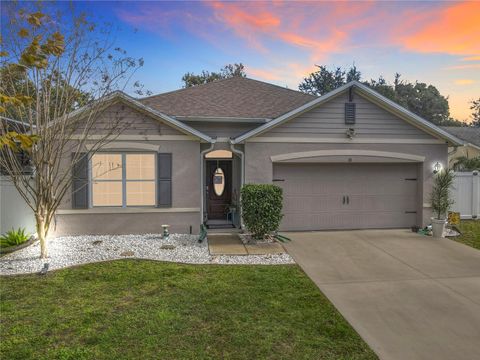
124, 179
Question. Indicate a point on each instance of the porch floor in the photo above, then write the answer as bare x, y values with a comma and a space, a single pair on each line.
230, 244
219, 224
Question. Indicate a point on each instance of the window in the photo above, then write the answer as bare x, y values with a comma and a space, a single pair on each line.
219, 182
219, 154
123, 179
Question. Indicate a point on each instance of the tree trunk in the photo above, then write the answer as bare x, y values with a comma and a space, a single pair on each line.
42, 235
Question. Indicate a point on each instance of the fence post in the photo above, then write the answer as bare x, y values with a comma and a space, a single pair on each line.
475, 195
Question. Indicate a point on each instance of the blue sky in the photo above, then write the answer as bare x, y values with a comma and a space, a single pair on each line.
280, 42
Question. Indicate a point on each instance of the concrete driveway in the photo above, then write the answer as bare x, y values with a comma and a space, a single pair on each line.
408, 296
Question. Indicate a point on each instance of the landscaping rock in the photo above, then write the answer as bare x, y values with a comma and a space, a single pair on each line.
127, 253
75, 250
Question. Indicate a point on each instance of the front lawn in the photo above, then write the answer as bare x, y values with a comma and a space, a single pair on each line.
470, 230
138, 309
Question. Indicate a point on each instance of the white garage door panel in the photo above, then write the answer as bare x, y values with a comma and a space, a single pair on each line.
379, 195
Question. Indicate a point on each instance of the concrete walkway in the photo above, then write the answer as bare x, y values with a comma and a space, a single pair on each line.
408, 296
230, 244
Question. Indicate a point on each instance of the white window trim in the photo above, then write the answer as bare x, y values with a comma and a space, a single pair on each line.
124, 180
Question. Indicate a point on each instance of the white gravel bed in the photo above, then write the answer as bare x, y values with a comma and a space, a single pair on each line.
74, 250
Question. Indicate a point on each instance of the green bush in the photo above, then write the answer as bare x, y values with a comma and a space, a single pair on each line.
261, 208
13, 238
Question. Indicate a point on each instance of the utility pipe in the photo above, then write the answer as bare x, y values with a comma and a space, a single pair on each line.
242, 176
202, 177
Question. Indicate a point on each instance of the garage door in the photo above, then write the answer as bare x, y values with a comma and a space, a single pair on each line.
347, 196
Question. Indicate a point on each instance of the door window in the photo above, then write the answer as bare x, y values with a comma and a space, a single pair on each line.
219, 182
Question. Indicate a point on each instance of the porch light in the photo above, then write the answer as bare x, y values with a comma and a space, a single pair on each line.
437, 167
350, 133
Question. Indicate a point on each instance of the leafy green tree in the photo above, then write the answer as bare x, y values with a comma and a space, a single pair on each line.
324, 80
228, 71
51, 64
420, 98
475, 107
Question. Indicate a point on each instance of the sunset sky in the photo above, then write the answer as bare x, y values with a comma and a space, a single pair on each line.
280, 41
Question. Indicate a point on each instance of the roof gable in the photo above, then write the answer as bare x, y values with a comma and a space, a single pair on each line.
328, 122
119, 96
367, 93
236, 97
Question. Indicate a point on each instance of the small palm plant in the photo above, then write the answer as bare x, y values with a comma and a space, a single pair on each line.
441, 201
440, 198
13, 238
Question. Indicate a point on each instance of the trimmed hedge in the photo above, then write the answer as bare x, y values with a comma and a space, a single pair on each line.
261, 208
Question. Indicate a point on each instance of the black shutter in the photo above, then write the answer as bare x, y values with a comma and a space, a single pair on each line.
80, 191
350, 113
164, 180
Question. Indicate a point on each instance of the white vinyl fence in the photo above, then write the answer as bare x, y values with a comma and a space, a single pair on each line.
14, 212
466, 194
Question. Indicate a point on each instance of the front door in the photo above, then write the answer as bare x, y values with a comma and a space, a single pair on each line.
219, 188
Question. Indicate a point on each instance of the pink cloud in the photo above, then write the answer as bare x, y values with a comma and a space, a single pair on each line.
462, 67
453, 29
464, 81
290, 37
315, 28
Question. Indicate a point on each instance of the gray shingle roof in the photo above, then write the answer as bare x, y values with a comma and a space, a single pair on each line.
468, 134
235, 97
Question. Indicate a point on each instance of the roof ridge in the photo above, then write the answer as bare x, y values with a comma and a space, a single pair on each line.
191, 87
227, 79
281, 87
460, 127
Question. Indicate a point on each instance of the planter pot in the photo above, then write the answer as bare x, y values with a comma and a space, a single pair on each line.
438, 227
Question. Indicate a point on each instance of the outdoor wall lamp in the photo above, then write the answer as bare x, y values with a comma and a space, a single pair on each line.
437, 167
350, 133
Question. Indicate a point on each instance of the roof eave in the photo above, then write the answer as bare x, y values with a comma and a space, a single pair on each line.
221, 119
394, 107
425, 124
175, 123
120, 95
291, 114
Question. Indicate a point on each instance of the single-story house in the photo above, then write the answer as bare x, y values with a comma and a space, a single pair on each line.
350, 159
471, 147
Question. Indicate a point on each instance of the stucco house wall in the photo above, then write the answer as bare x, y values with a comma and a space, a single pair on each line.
144, 134
259, 166
312, 125
323, 128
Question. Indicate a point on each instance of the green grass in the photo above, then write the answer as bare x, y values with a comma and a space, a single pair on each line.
470, 230
134, 309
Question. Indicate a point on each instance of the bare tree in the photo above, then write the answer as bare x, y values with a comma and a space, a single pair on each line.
56, 72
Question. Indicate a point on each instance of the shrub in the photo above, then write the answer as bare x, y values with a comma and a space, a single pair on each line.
465, 164
261, 208
13, 238
440, 197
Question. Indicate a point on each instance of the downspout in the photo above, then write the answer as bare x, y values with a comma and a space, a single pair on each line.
242, 175
202, 177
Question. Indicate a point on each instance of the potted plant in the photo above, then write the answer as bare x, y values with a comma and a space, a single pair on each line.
441, 201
